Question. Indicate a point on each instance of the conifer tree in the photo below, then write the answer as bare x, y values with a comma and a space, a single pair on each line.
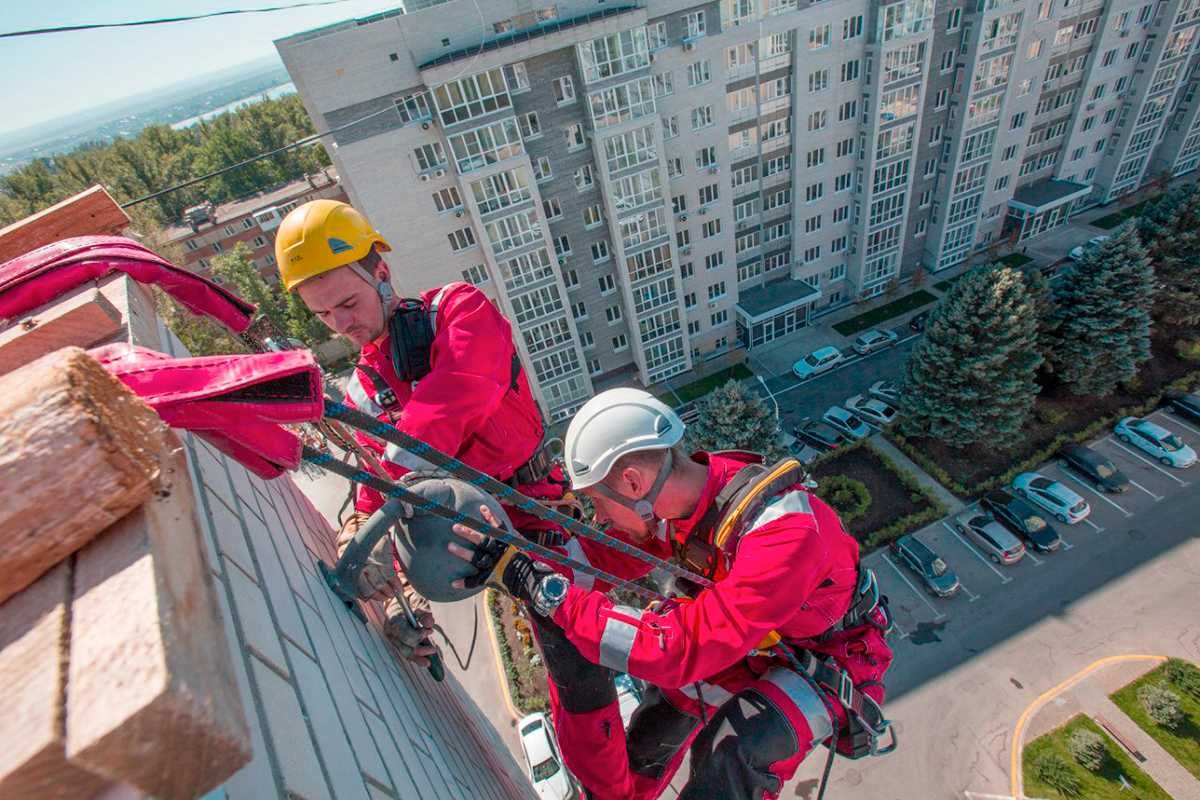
1170, 230
734, 418
1102, 318
970, 380
1041, 296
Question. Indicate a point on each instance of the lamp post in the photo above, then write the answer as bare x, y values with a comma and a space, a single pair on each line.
768, 391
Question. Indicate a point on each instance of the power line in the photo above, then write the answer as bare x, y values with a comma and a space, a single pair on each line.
166, 20
259, 157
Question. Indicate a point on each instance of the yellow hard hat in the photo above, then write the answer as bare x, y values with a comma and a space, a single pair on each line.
320, 236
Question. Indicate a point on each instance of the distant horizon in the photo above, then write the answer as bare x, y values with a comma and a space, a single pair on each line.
67, 75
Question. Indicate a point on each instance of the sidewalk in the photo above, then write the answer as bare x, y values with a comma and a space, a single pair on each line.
953, 504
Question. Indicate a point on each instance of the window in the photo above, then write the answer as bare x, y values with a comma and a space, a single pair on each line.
579, 310
812, 254
191, 245
1017, 121
817, 120
613, 55
850, 70
476, 275
656, 35
699, 72
623, 102
811, 225
461, 239
709, 194
903, 62
1001, 183
719, 318
607, 285
954, 20
686, 270
487, 145
706, 157
564, 90
1063, 35
852, 27
570, 278
716, 291
741, 55
527, 268
447, 199
842, 182
670, 127
776, 129
678, 204
845, 147
429, 156
818, 81
413, 108
513, 231
841, 213
664, 84
612, 314
818, 37
683, 239
630, 149
1035, 50
470, 97
710, 229
947, 61
500, 190
899, 103
542, 170
600, 252
702, 117
552, 208
694, 24
583, 177
815, 157
574, 136
1009, 153
562, 246
814, 191
531, 127
593, 216
926, 198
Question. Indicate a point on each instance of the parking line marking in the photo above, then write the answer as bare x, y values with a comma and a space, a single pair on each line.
968, 592
1091, 489
938, 615
1094, 525
1147, 462
1003, 578
1066, 545
1147, 491
1177, 420
1037, 562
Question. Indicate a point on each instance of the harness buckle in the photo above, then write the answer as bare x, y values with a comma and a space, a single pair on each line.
386, 398
845, 689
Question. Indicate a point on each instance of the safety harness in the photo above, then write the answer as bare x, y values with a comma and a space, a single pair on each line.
710, 550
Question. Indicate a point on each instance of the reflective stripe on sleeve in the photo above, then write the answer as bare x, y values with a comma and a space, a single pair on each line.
360, 398
806, 698
794, 502
581, 579
402, 458
616, 642
713, 695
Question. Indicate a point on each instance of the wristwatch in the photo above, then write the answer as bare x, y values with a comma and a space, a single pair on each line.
550, 593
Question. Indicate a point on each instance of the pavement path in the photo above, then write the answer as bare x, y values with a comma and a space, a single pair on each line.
949, 500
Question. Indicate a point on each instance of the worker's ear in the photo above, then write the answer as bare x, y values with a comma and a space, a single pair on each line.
632, 482
382, 275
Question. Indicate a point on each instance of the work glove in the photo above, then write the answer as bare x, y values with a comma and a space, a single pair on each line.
379, 579
414, 644
502, 566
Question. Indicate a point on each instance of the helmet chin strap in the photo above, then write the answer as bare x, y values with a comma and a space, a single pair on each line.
644, 506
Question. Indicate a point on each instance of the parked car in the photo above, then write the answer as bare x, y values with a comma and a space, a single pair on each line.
629, 697
917, 323
1077, 252
993, 539
1021, 518
1184, 405
871, 409
1059, 500
818, 434
549, 777
1095, 467
938, 578
887, 391
1155, 440
846, 423
873, 340
817, 362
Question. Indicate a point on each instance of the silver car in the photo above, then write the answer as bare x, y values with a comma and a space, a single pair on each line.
872, 409
996, 541
872, 340
846, 423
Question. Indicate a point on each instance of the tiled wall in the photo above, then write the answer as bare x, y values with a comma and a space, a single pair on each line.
332, 714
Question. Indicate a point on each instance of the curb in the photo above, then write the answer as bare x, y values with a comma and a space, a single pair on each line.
499, 662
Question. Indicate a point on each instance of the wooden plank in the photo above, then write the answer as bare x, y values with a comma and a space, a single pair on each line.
89, 213
33, 663
152, 698
82, 319
78, 450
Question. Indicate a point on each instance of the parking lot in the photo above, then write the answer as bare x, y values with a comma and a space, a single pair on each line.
987, 585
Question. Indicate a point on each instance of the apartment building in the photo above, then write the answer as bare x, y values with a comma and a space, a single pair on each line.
645, 186
208, 230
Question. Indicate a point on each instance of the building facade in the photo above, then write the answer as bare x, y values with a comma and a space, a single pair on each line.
646, 186
252, 220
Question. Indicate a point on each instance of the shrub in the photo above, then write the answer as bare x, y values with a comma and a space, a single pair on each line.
1056, 773
1161, 704
1049, 414
1087, 748
1185, 675
1188, 349
849, 497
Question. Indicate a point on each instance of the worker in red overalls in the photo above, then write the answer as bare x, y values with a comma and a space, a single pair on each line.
783, 652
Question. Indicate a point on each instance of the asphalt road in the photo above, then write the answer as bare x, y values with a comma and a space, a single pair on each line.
966, 667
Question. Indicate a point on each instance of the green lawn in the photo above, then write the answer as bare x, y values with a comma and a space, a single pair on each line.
1016, 260
1102, 785
695, 389
1183, 744
1118, 217
874, 317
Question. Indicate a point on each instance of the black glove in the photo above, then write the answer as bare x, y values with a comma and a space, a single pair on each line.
507, 568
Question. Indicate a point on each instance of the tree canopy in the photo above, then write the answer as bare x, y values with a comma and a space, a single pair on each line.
734, 418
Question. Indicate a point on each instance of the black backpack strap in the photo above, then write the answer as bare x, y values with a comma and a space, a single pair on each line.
385, 396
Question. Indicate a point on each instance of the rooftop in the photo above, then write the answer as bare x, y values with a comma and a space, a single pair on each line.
775, 296
236, 209
1046, 194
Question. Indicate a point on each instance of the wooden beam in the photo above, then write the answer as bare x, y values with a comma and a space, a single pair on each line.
78, 451
152, 698
33, 664
91, 212
82, 319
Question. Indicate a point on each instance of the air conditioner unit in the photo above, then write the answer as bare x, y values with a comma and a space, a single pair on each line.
685, 250
562, 261
424, 177
683, 217
702, 210
458, 213
424, 126
441, 173
689, 46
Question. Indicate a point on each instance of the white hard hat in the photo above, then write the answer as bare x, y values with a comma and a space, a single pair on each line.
614, 423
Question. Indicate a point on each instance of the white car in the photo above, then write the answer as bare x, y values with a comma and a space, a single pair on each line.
846, 423
549, 777
873, 340
1053, 496
872, 409
1156, 440
1077, 252
887, 391
817, 362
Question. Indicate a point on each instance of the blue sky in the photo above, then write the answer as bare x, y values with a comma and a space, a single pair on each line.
56, 74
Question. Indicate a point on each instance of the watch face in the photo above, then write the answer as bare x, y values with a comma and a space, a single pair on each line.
555, 588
